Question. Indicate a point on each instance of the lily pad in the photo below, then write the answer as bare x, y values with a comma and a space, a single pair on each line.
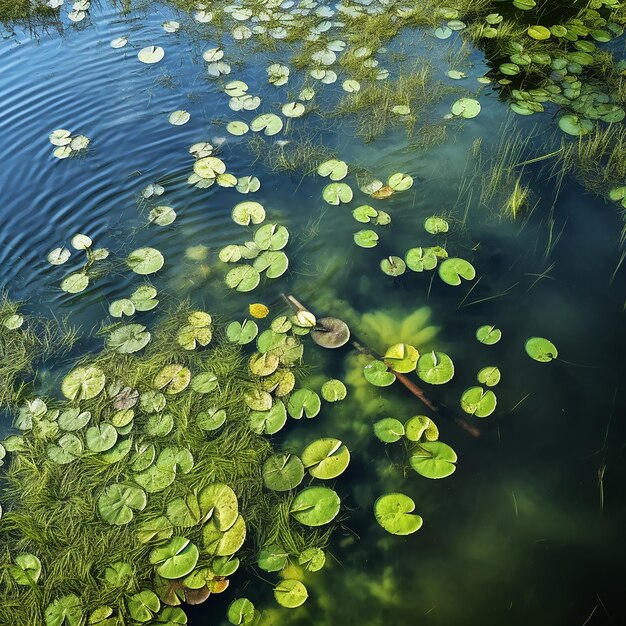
466, 107
151, 54
282, 472
75, 283
420, 426
58, 256
241, 612
246, 213
489, 335
145, 261
219, 503
243, 278
434, 459
269, 422
378, 374
101, 437
118, 501
389, 429
27, 569
366, 238
269, 123
304, 402
67, 449
326, 458
83, 383
312, 559
575, 125
172, 379
435, 368
209, 167
129, 338
205, 382
64, 611
541, 349
401, 357
420, 259
242, 332
175, 559
73, 419
435, 225
179, 118
290, 593
334, 390
393, 266
143, 606
336, 193
476, 401
452, 270
489, 376
271, 237
400, 181
162, 215
334, 169
315, 506
273, 557
273, 262
394, 512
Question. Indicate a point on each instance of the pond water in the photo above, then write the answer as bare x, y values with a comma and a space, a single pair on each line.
530, 528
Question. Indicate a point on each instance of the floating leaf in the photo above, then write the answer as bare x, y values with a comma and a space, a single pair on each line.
293, 109
269, 123
489, 376
205, 382
242, 333
172, 379
334, 169
489, 335
219, 503
162, 215
541, 349
400, 181
313, 559
65, 611
237, 128
466, 107
81, 242
83, 383
209, 167
75, 283
129, 338
249, 212
435, 368
452, 270
241, 612
393, 266
143, 606
58, 256
334, 390
273, 263
117, 503
145, 261
434, 459
336, 193
377, 373
273, 558
539, 32
290, 593
151, 54
401, 357
420, 426
269, 422
366, 238
178, 118
435, 225
67, 449
476, 401
420, 259
27, 569
282, 472
315, 506
101, 437
304, 402
575, 125
389, 430
243, 278
258, 310
326, 458
175, 559
271, 237
393, 512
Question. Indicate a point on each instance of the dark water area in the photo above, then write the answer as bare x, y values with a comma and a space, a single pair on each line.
530, 528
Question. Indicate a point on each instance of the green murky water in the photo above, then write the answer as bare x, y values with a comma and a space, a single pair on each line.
425, 114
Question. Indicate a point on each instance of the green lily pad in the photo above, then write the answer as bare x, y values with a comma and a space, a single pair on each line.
64, 611
184, 512
541, 349
420, 426
212, 419
263, 364
73, 419
290, 593
293, 109
420, 259
334, 169
400, 181
27, 569
258, 400
171, 616
13, 322
389, 429
434, 459
75, 283
273, 558
173, 379
121, 307
271, 237
575, 125
243, 278
476, 401
152, 401
326, 458
538, 32
145, 261
378, 374
336, 193
175, 559
366, 238
241, 612
101, 438
466, 107
452, 270
67, 449
282, 472
118, 574
435, 368
143, 606
129, 338
489, 376
273, 263
117, 503
435, 225
315, 506
83, 383
209, 167
204, 382
143, 298
394, 512
242, 333
334, 390
237, 128
312, 559
489, 335
393, 266
246, 213
269, 123
224, 543
401, 357
269, 422
219, 503
304, 402
365, 214
162, 215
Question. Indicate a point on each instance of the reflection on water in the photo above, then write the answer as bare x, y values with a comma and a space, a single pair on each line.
530, 527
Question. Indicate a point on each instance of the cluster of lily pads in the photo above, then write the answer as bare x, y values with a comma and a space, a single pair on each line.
66, 143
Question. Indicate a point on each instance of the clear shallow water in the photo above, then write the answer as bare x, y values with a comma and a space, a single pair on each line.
518, 533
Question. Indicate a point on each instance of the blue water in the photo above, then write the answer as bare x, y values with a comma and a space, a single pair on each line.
524, 531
